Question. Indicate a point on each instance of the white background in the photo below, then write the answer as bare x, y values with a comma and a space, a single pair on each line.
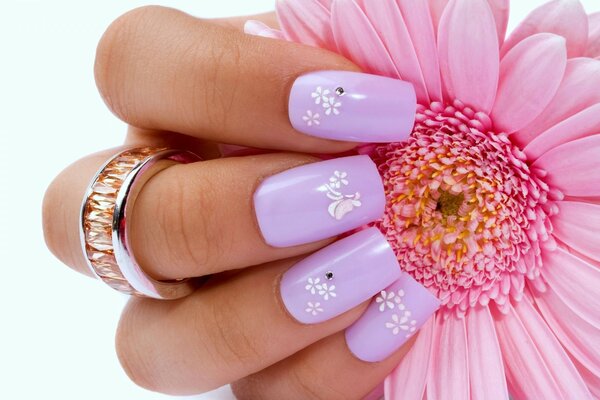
57, 327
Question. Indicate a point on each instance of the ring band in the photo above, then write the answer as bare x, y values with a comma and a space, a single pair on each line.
104, 212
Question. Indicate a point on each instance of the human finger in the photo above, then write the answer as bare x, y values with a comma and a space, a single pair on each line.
241, 324
158, 68
224, 214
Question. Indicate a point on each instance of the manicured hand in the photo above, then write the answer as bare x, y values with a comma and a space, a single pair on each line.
287, 312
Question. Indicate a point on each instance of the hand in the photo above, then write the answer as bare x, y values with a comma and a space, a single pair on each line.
271, 319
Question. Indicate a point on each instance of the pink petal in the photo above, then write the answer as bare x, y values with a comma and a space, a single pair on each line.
468, 49
326, 3
437, 9
591, 379
486, 371
581, 339
573, 167
388, 22
259, 28
449, 374
560, 366
500, 9
578, 226
530, 75
566, 18
358, 41
580, 125
576, 282
418, 21
407, 381
306, 21
577, 92
593, 44
526, 372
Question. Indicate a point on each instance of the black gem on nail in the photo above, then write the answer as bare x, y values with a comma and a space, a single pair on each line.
340, 91
329, 275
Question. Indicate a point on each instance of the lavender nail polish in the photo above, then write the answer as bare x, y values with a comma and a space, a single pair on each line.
352, 106
319, 200
391, 319
339, 277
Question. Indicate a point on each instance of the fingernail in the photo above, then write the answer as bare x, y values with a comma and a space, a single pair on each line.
392, 318
352, 106
259, 28
318, 201
339, 277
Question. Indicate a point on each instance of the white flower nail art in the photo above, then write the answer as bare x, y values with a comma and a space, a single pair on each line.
341, 204
327, 291
313, 308
329, 100
312, 118
402, 323
338, 179
312, 285
320, 95
332, 107
390, 300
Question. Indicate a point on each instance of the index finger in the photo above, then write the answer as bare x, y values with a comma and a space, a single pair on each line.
159, 68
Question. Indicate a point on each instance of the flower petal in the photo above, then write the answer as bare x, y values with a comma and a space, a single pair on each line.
576, 282
577, 225
593, 43
526, 372
486, 371
407, 381
468, 49
417, 17
580, 125
437, 9
556, 359
500, 9
449, 373
566, 18
387, 20
573, 167
577, 92
591, 379
357, 39
530, 75
259, 28
581, 339
306, 21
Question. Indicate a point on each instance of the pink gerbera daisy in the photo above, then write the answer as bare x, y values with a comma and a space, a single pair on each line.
494, 201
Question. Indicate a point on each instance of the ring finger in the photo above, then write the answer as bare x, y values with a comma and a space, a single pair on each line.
223, 214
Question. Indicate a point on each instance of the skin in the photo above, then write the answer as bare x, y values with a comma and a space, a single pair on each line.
187, 83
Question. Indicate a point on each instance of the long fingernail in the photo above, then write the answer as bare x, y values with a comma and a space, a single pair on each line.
339, 277
391, 319
318, 201
352, 106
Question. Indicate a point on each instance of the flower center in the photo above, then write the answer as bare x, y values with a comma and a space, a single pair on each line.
448, 204
465, 213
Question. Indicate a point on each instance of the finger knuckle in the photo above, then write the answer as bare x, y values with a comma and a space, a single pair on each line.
60, 224
187, 212
233, 345
115, 54
136, 366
